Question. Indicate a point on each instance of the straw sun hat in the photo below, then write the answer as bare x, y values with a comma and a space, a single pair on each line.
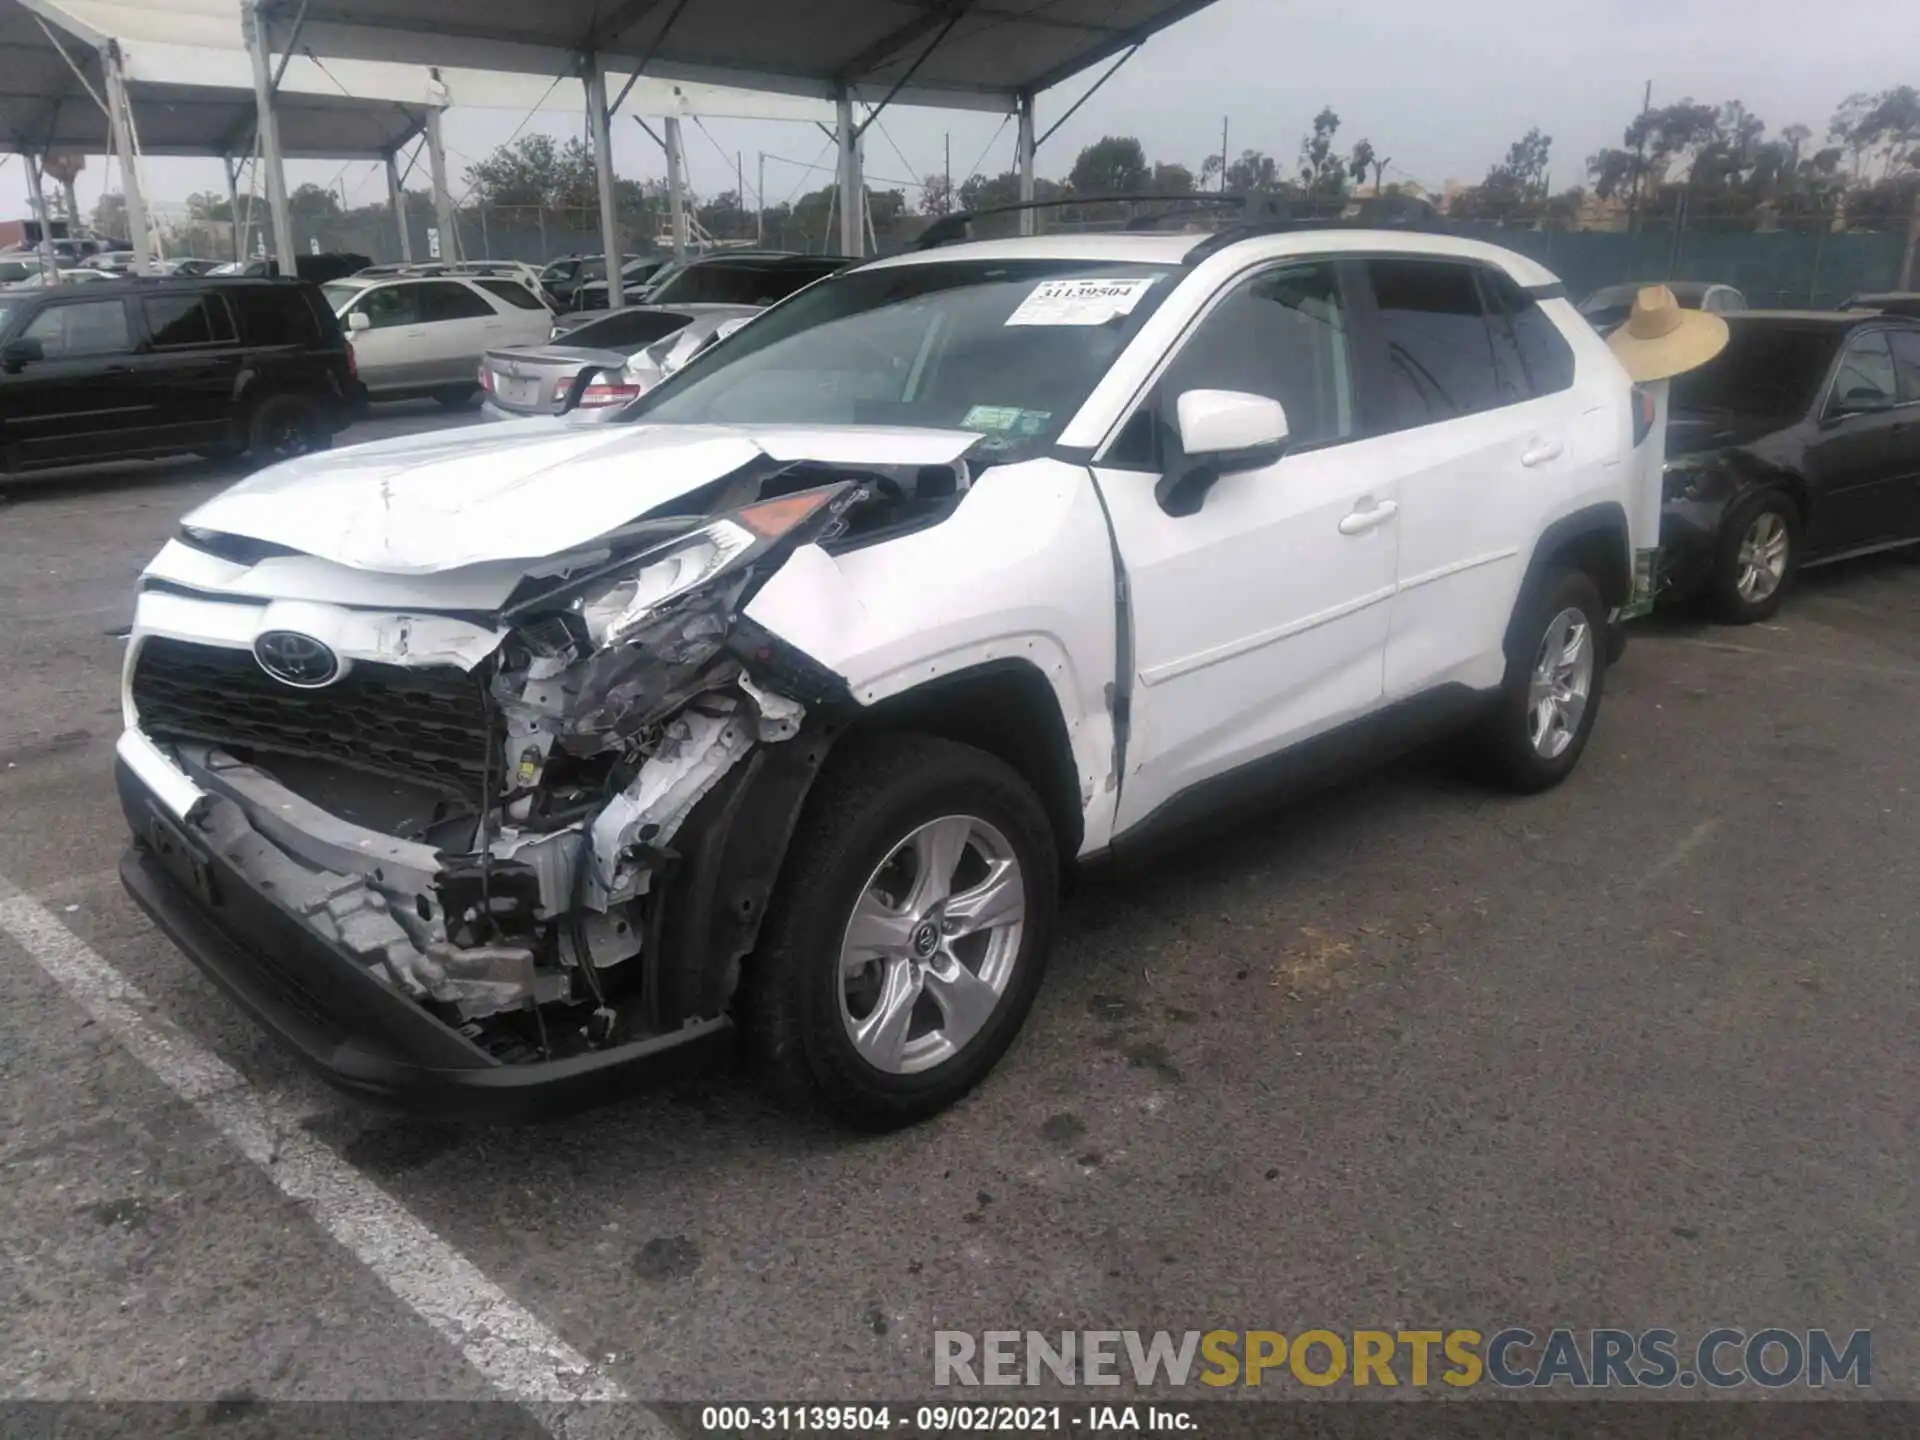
1661, 339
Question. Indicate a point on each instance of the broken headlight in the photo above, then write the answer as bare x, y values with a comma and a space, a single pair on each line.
623, 603
618, 602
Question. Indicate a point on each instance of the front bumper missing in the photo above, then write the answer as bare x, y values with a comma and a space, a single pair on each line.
356, 1032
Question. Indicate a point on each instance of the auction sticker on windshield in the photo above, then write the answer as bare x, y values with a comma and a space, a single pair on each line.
1079, 302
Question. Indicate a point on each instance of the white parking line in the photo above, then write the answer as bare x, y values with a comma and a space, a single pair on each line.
506, 1343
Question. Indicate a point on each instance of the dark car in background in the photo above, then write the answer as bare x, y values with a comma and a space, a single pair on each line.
1798, 444
140, 369
563, 277
644, 344
1607, 308
635, 278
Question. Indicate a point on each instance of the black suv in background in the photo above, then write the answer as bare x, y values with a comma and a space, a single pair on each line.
144, 368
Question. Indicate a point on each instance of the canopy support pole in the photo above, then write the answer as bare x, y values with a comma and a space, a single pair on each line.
676, 185
853, 240
443, 214
397, 203
233, 207
597, 122
254, 25
120, 126
37, 202
1024, 145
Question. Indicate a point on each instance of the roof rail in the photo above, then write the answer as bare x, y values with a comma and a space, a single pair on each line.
952, 229
1380, 212
1261, 213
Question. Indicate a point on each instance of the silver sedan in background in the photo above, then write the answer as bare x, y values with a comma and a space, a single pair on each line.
644, 344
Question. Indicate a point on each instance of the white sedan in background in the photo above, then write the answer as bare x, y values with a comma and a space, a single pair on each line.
425, 335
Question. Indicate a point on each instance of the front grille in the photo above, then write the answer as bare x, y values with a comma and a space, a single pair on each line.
429, 724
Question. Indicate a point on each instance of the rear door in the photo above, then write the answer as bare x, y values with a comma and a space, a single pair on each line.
1482, 461
1855, 458
191, 359
75, 397
460, 323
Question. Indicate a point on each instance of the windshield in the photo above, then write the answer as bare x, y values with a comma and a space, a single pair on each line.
1771, 371
340, 294
1010, 349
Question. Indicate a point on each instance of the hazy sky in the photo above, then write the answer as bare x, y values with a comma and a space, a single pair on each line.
1440, 89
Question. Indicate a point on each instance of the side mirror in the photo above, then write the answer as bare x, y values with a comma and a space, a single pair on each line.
359, 320
21, 352
1221, 432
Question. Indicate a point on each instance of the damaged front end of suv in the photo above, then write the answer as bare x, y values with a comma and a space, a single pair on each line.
495, 862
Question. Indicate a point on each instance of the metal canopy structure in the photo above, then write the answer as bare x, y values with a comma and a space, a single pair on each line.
862, 54
988, 52
95, 77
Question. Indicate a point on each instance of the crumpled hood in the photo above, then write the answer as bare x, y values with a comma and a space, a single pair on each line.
523, 489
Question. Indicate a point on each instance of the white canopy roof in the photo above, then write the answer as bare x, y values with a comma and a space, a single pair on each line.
967, 53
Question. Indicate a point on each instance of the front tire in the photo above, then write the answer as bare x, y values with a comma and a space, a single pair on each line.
909, 934
1556, 668
1759, 547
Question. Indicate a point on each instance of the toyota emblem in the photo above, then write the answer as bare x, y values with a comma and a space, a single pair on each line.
296, 659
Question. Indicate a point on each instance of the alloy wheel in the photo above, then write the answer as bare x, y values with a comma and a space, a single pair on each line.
930, 948
1762, 558
1561, 682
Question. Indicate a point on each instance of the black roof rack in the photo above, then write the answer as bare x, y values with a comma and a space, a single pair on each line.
952, 229
1260, 213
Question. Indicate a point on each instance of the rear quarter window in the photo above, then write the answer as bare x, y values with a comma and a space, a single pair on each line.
511, 291
1544, 353
275, 315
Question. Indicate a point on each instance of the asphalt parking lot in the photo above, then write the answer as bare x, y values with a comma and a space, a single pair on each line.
1639, 1052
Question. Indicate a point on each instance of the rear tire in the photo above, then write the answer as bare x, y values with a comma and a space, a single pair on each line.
283, 427
1755, 557
457, 397
1556, 668
887, 812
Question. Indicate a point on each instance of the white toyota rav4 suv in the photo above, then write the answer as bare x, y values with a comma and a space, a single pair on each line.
503, 770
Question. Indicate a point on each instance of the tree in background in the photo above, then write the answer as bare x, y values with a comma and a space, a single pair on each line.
110, 216
1112, 165
1169, 178
1883, 131
1515, 189
1254, 172
1322, 173
313, 202
205, 205
1365, 160
936, 195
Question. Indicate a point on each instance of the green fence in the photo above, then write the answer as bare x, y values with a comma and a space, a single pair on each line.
1777, 269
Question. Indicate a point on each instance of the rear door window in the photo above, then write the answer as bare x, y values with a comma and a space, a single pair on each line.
512, 292
88, 327
450, 300
178, 321
274, 315
1545, 355
1440, 362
